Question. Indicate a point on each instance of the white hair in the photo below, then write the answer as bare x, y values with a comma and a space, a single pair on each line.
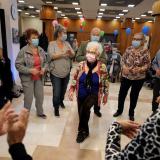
95, 29
95, 45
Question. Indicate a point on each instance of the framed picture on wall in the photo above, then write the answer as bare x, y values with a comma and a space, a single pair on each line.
15, 35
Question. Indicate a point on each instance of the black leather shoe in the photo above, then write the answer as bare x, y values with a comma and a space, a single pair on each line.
82, 136
98, 113
56, 112
43, 116
117, 114
131, 118
63, 106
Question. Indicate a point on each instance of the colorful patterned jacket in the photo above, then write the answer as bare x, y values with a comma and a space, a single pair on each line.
103, 80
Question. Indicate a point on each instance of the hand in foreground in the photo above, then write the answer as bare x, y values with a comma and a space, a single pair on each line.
70, 95
3, 117
17, 126
129, 128
158, 99
42, 72
105, 99
34, 71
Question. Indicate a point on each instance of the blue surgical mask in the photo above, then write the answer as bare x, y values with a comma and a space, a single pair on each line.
35, 42
95, 38
64, 37
136, 44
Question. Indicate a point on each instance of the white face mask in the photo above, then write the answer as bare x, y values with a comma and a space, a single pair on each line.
64, 37
95, 38
91, 57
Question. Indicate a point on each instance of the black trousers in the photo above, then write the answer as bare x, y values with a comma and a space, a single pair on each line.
84, 106
156, 93
136, 86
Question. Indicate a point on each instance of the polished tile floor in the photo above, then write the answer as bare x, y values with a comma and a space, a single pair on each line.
55, 138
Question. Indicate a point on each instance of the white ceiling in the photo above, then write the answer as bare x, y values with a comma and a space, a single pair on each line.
90, 8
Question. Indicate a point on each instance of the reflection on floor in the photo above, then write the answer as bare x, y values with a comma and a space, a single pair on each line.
55, 138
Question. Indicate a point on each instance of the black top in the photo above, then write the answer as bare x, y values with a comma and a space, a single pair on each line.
18, 152
6, 81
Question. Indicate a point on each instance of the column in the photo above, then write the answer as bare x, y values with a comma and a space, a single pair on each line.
47, 15
125, 40
155, 39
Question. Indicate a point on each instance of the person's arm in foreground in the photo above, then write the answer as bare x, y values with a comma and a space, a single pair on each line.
17, 125
144, 146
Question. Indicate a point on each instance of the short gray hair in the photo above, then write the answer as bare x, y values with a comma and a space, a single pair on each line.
95, 28
58, 29
96, 45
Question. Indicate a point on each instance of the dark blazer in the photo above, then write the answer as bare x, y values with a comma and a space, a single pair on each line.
6, 81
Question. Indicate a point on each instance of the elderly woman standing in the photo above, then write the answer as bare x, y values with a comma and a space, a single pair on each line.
31, 64
135, 63
90, 81
61, 54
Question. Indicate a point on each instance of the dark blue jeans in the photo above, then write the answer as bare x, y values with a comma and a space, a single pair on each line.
59, 89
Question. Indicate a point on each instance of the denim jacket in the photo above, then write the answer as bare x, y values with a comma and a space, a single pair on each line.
24, 62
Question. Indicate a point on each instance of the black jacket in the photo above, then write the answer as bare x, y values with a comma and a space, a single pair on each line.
6, 81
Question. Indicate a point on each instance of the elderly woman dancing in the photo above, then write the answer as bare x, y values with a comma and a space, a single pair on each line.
90, 81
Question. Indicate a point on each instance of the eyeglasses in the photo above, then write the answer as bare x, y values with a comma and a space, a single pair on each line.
137, 39
90, 52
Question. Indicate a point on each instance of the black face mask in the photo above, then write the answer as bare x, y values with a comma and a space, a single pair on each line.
88, 80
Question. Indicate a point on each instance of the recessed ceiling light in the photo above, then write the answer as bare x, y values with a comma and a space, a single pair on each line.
80, 15
103, 4
121, 14
77, 8
59, 11
19, 10
55, 7
133, 20
99, 16
65, 17
102, 10
48, 2
131, 5
62, 15
118, 17
143, 15
137, 18
30, 6
79, 12
21, 1
38, 10
150, 21
75, 3
150, 12
33, 16
26, 13
100, 13
125, 10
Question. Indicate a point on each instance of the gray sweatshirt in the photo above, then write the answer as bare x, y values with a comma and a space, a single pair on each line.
59, 67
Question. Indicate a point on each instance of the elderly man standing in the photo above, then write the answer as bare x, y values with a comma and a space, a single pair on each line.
81, 56
135, 63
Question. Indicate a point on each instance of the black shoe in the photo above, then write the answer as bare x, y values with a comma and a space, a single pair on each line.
131, 118
62, 105
56, 112
82, 136
117, 114
98, 113
42, 116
